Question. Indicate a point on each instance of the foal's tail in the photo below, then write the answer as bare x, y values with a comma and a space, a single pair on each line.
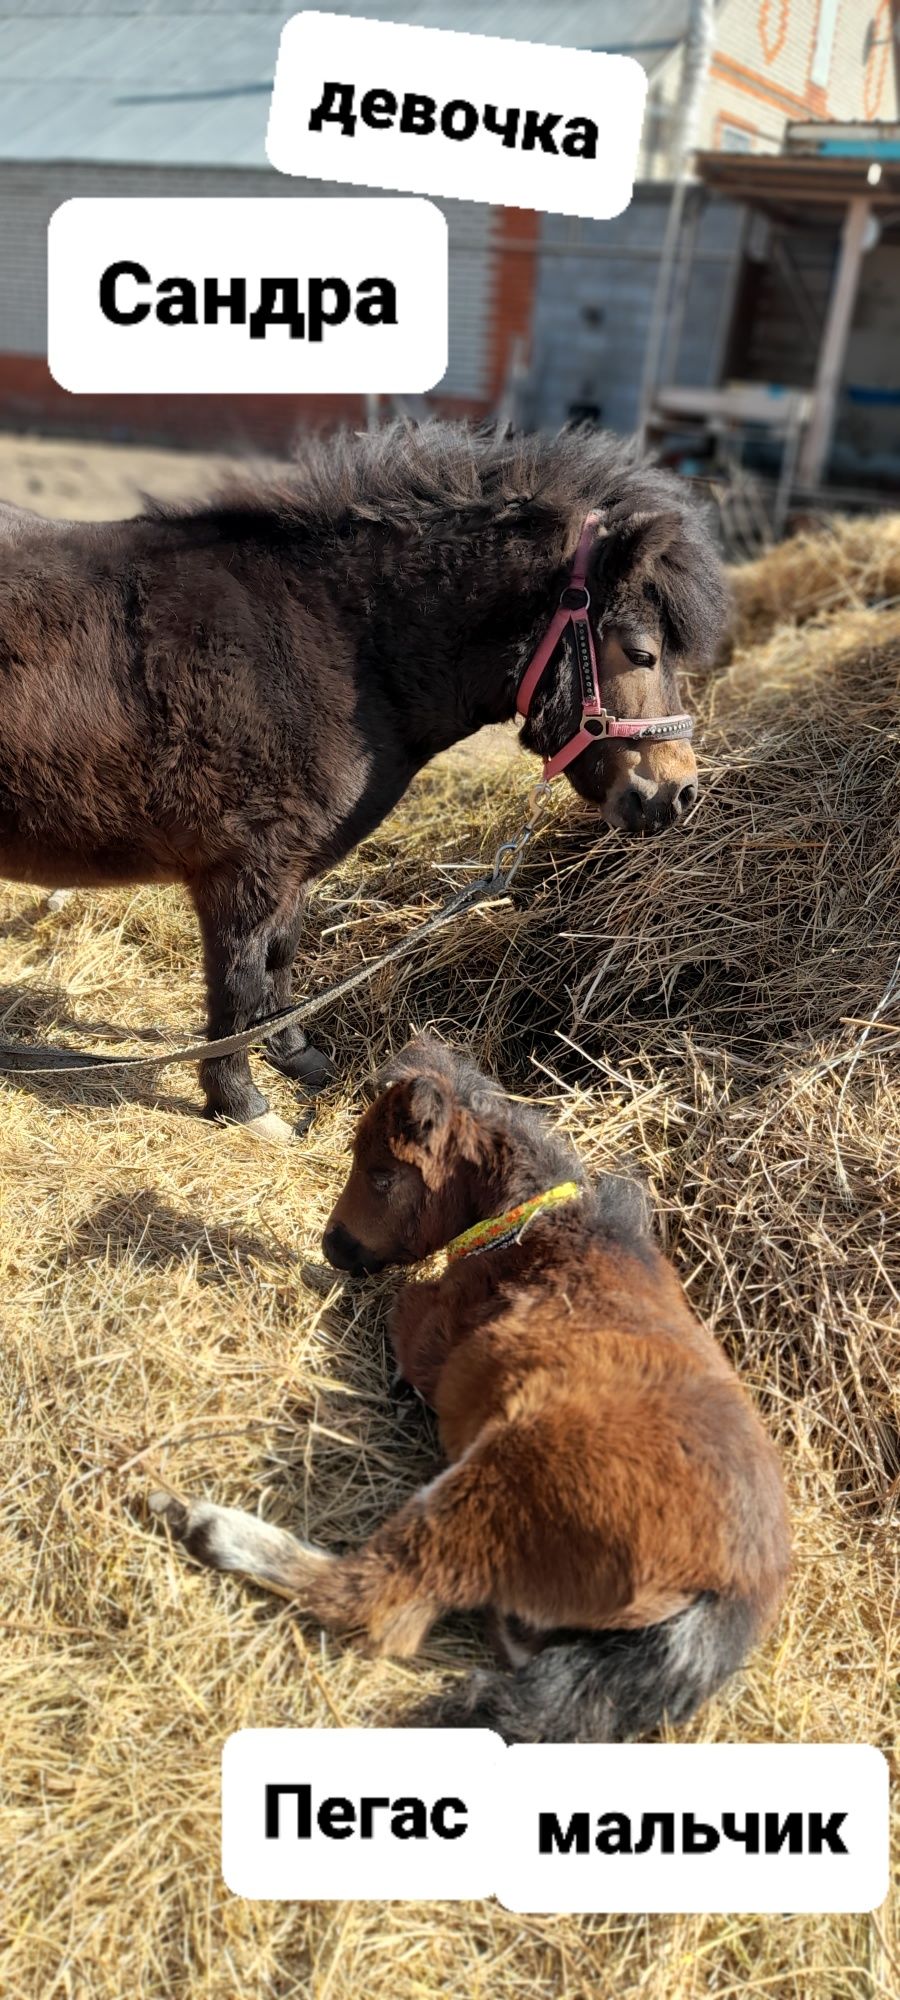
610, 1686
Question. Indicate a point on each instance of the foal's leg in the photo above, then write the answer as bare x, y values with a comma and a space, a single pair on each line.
238, 914
437, 1553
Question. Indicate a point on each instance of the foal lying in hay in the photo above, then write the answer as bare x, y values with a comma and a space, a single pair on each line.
232, 696
612, 1500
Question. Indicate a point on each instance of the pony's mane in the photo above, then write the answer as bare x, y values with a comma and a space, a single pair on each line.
457, 481
412, 476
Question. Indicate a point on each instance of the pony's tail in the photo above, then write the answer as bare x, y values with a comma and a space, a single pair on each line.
607, 1687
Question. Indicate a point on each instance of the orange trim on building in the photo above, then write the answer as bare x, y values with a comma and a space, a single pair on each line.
756, 85
724, 118
772, 23
513, 288
876, 67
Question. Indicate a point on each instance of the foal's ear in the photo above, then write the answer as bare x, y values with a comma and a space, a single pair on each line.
419, 1119
423, 1052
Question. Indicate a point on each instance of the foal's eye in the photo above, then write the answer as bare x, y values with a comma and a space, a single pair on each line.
380, 1179
637, 658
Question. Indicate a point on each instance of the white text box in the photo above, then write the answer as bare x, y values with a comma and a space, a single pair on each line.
256, 296
834, 1798
376, 1813
572, 146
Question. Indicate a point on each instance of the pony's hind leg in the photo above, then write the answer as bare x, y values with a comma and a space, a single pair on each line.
227, 1538
236, 914
291, 1052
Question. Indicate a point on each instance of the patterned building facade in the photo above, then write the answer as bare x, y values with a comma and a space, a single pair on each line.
777, 61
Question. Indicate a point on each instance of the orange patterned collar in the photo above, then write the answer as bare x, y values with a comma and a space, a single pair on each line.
507, 1228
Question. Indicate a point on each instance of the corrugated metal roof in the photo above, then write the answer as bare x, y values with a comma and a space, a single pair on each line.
187, 82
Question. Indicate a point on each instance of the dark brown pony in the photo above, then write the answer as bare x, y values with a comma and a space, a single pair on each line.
611, 1499
232, 695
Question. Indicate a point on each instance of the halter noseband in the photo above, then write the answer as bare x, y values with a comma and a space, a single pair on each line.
596, 722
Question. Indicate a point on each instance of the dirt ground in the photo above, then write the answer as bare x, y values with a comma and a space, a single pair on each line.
714, 1011
100, 482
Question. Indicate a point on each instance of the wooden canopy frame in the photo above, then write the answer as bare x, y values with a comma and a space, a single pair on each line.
852, 187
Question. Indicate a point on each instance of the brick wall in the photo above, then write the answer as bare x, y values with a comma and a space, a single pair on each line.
492, 282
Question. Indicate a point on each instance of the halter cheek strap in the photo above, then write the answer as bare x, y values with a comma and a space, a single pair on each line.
596, 721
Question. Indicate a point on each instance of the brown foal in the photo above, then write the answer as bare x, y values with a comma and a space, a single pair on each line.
611, 1498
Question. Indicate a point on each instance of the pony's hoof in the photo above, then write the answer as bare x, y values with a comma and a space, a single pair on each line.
58, 899
308, 1066
268, 1126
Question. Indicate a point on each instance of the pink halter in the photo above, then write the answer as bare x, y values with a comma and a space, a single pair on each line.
596, 722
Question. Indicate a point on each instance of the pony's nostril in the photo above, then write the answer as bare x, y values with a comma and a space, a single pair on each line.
632, 810
347, 1254
687, 798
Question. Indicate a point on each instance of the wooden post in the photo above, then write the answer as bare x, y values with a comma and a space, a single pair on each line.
817, 442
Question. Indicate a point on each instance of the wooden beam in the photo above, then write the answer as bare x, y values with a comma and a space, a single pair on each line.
817, 442
894, 11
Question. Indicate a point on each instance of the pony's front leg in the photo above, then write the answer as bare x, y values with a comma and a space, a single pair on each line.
237, 916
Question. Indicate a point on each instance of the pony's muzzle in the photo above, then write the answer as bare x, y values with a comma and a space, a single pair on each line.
653, 789
651, 810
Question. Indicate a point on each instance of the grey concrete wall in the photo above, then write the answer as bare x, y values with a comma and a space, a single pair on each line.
595, 296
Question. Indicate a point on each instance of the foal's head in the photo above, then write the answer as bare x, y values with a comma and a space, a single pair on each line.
658, 603
440, 1148
417, 1153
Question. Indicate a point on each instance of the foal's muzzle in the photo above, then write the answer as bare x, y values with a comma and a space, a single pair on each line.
346, 1254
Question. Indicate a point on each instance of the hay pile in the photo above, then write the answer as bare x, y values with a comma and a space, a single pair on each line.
852, 562
719, 1009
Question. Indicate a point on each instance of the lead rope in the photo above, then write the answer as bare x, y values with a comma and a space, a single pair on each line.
487, 888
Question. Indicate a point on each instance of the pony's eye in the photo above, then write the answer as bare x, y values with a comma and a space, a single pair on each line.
637, 658
380, 1179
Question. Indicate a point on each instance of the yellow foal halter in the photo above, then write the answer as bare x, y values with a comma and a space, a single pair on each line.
507, 1228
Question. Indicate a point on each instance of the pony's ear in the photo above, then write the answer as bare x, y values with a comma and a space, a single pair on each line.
644, 538
419, 1114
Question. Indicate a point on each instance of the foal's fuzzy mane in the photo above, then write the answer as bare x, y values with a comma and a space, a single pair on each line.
457, 482
617, 1204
